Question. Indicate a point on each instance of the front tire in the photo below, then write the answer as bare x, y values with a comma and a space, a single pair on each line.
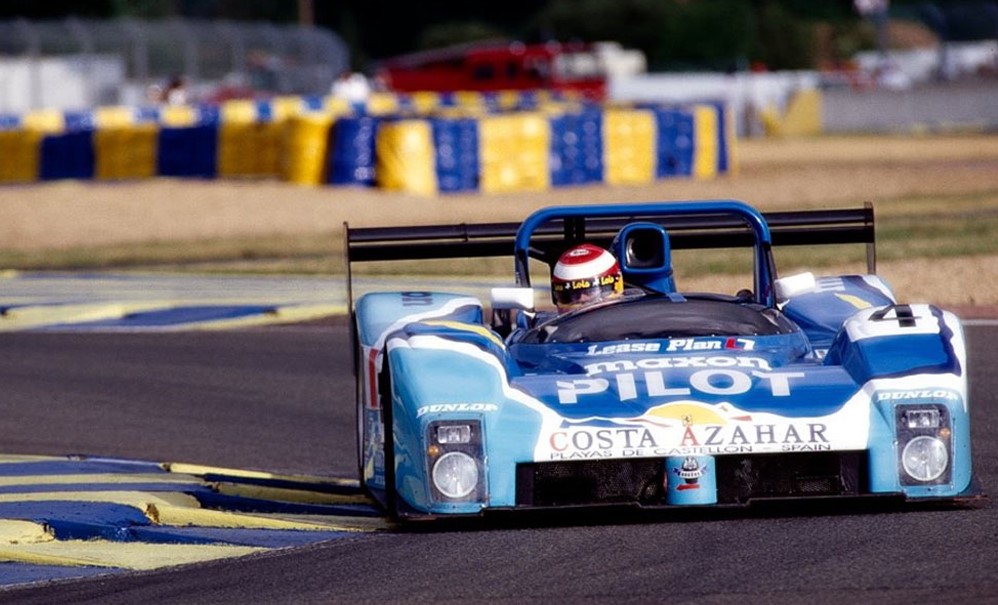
385, 399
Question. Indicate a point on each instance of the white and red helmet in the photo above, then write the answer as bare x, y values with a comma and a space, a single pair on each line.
583, 275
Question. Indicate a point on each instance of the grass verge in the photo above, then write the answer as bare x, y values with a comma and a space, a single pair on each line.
912, 227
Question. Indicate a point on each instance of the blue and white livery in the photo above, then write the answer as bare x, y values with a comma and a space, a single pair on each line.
798, 388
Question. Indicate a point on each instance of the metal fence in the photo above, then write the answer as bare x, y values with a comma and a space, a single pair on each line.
77, 63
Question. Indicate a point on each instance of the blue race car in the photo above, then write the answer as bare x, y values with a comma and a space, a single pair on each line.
794, 388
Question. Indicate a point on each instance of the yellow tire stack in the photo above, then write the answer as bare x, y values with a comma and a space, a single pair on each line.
514, 153
628, 146
248, 145
705, 148
123, 148
404, 151
306, 148
20, 149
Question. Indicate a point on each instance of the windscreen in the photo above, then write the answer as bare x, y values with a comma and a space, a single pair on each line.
650, 317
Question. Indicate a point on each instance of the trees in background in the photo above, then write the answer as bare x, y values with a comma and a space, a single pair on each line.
673, 34
723, 35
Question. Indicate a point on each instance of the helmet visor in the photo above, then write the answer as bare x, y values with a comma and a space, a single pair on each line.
575, 293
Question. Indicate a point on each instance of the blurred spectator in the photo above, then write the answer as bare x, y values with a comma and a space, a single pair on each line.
154, 93
351, 86
889, 76
176, 91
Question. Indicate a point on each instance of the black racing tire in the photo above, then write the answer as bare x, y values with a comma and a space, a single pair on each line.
385, 396
358, 377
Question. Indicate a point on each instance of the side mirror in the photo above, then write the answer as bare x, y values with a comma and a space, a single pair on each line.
507, 300
794, 285
521, 299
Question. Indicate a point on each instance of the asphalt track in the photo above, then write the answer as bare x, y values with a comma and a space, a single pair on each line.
279, 399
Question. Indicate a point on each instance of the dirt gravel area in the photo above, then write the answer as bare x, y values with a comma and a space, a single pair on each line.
825, 172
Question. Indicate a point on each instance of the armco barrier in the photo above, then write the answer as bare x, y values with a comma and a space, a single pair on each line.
420, 143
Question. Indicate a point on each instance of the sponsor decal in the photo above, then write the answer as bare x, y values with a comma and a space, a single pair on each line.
783, 437
690, 472
710, 344
918, 395
626, 347
578, 443
448, 408
690, 481
599, 443
417, 299
657, 363
715, 381
675, 429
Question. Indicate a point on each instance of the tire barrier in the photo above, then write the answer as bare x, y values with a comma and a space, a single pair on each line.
577, 148
630, 150
420, 143
514, 152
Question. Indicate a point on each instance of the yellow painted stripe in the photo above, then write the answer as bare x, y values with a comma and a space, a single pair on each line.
139, 500
854, 300
345, 523
182, 515
17, 458
181, 510
125, 555
281, 315
288, 495
21, 318
480, 330
34, 316
198, 469
23, 532
98, 479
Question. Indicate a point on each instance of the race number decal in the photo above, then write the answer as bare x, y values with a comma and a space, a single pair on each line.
894, 320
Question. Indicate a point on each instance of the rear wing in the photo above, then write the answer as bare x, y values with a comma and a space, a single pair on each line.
794, 228
803, 227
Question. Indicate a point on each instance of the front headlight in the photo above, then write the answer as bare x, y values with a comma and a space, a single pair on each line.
924, 439
455, 461
455, 474
925, 458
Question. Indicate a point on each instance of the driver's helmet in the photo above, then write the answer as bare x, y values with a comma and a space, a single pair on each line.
584, 275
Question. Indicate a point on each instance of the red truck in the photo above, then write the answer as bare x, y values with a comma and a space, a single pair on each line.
499, 66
